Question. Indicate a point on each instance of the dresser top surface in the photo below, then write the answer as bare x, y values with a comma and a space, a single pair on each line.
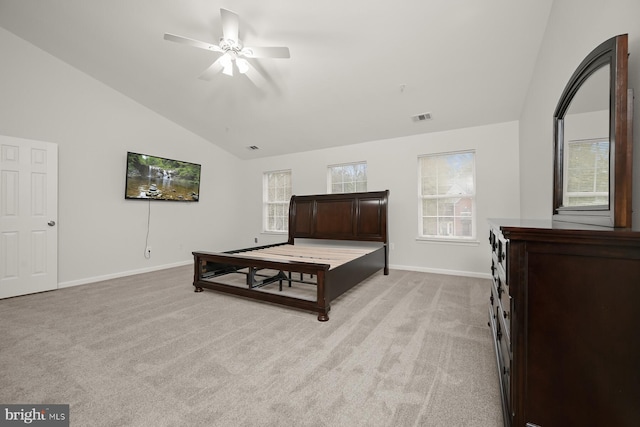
534, 229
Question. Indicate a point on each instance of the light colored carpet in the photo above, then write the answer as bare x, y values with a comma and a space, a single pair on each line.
408, 349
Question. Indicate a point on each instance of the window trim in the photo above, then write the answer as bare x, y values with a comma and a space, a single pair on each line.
473, 239
330, 182
266, 202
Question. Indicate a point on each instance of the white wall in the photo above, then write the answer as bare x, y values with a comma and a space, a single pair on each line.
102, 235
392, 165
574, 29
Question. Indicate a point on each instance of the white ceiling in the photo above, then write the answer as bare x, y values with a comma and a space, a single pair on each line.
359, 69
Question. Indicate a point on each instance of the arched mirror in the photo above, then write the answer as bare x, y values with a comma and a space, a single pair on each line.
593, 141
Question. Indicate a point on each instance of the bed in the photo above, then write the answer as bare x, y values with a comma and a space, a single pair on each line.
335, 242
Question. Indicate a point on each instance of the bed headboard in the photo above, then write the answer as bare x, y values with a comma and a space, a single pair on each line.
348, 216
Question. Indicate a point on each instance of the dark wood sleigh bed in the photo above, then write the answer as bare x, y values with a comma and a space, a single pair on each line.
329, 271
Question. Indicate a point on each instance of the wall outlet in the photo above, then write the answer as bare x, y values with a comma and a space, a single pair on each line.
255, 240
392, 246
147, 252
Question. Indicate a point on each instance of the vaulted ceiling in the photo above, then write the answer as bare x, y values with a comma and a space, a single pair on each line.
359, 69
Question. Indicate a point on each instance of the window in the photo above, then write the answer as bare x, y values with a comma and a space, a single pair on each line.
347, 178
447, 195
276, 188
588, 172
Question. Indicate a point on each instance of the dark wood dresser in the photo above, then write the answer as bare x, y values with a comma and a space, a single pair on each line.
565, 316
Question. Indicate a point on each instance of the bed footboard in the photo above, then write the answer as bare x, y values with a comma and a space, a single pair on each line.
209, 266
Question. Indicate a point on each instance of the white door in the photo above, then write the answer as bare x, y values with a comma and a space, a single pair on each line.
28, 216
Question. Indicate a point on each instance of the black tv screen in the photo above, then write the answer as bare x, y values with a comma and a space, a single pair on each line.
157, 178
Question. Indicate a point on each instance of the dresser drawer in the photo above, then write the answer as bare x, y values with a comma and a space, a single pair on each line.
504, 367
505, 305
504, 352
493, 298
493, 241
501, 251
505, 314
504, 325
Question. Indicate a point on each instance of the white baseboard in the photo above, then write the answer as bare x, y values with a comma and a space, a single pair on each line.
120, 274
441, 271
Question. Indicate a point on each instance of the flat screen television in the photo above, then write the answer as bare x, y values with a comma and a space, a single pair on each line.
157, 178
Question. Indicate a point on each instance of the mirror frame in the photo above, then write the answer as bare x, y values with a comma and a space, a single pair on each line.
618, 214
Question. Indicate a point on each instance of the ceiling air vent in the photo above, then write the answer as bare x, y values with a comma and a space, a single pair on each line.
253, 147
421, 117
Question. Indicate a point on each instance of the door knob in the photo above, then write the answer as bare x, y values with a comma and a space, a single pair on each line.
51, 223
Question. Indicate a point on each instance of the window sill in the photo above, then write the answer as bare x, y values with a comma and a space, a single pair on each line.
275, 233
448, 241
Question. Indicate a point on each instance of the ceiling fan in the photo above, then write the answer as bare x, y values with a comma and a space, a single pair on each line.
234, 53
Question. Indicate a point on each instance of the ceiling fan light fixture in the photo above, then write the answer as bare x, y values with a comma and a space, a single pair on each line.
227, 64
243, 65
225, 60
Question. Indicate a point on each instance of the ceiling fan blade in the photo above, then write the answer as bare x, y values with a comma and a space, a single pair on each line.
213, 69
229, 25
255, 77
266, 52
192, 42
